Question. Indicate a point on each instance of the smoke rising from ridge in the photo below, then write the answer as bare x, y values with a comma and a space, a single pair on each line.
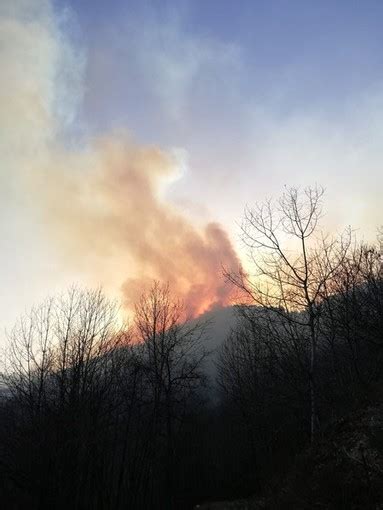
110, 211
102, 204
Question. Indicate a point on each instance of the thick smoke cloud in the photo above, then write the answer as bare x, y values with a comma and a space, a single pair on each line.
110, 211
102, 205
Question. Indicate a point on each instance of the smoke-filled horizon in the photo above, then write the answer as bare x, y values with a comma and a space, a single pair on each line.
102, 204
132, 137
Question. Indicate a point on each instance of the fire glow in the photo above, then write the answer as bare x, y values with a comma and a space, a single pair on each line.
110, 208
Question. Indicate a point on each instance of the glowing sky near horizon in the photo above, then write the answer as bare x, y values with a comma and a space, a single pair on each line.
247, 96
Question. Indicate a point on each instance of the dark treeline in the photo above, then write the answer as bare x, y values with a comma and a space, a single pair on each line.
96, 414
92, 412
308, 346
264, 371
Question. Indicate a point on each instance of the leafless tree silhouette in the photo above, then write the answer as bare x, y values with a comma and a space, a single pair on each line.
292, 264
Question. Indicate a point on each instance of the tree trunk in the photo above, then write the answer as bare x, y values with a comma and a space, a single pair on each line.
313, 392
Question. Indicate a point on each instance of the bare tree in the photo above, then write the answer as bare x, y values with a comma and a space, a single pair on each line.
352, 318
30, 358
60, 371
292, 264
172, 355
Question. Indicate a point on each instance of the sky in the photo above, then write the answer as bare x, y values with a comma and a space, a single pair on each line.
133, 134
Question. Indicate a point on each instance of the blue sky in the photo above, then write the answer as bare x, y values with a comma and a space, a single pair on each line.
292, 54
225, 81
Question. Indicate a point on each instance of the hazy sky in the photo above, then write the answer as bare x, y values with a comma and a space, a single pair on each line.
209, 105
257, 94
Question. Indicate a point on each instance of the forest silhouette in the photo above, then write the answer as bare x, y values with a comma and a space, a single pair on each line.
99, 414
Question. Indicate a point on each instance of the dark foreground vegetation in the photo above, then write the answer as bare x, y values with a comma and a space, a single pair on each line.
97, 415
